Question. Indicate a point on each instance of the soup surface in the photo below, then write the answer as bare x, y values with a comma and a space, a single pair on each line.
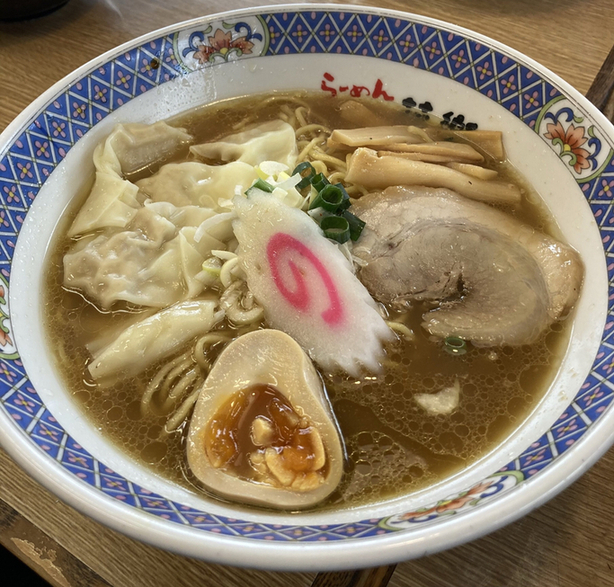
393, 445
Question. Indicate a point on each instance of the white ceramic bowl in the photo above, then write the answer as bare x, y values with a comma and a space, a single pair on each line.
558, 140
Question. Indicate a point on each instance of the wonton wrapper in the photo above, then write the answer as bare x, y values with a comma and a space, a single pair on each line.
153, 338
194, 183
271, 141
113, 200
153, 262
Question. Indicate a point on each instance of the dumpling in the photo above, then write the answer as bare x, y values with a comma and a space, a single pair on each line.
153, 262
113, 201
194, 183
154, 338
271, 141
180, 216
137, 145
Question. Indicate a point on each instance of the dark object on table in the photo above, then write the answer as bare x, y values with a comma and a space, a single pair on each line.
23, 9
601, 92
376, 577
16, 572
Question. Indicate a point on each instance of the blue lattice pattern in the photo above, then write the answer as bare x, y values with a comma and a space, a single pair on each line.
497, 76
31, 157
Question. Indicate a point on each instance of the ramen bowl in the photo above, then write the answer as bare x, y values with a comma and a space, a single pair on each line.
553, 136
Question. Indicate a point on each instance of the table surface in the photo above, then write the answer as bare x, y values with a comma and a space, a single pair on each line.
567, 542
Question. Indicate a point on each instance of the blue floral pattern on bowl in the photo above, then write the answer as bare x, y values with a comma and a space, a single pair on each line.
32, 156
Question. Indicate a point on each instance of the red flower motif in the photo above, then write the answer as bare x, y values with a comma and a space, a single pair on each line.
452, 504
572, 140
243, 44
5, 339
203, 53
222, 42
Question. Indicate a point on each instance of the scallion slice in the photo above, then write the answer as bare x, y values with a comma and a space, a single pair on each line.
455, 345
261, 185
356, 224
301, 168
336, 228
329, 198
319, 181
345, 204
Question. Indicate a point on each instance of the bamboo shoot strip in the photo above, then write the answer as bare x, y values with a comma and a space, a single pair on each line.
358, 114
489, 141
453, 151
375, 135
373, 172
474, 170
418, 157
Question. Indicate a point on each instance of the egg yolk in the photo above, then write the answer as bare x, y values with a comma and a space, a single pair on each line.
258, 435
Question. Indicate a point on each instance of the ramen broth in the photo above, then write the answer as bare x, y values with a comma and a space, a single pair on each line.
393, 445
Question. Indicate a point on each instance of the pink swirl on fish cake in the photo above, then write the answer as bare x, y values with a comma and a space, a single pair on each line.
299, 297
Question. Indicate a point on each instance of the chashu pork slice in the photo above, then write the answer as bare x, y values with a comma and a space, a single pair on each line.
498, 281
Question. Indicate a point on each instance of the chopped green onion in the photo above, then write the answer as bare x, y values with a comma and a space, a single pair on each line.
332, 199
455, 345
356, 224
329, 198
345, 204
262, 185
307, 178
336, 228
319, 182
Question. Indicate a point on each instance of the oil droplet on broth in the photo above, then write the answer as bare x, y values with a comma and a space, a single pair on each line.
115, 413
154, 452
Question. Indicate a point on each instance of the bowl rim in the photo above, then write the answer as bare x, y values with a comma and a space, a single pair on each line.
370, 551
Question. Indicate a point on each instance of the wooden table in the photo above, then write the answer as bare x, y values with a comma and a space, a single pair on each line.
569, 542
